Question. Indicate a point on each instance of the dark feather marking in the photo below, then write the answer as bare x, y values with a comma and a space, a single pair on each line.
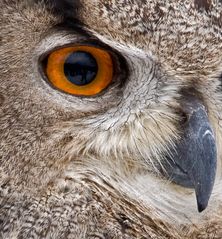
206, 5
203, 5
64, 8
67, 7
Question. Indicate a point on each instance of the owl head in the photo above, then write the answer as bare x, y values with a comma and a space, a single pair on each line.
110, 119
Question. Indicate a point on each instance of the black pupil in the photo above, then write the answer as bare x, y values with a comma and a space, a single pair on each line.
80, 68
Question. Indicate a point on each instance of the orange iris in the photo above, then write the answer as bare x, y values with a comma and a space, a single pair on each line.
80, 70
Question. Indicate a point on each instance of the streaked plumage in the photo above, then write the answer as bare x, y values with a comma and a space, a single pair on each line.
78, 167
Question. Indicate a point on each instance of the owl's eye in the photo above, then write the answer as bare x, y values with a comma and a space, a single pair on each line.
80, 70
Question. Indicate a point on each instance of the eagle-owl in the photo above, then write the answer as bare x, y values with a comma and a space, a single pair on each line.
110, 119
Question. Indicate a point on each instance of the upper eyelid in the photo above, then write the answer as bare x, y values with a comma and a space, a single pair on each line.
64, 39
61, 36
58, 40
66, 34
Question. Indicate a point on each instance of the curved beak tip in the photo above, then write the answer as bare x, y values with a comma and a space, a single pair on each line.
201, 207
202, 204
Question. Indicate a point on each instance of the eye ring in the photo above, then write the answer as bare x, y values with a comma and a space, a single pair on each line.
57, 77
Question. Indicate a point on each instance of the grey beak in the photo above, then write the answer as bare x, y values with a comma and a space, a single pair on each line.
195, 160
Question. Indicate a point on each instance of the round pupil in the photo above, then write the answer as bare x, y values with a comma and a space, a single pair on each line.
80, 68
